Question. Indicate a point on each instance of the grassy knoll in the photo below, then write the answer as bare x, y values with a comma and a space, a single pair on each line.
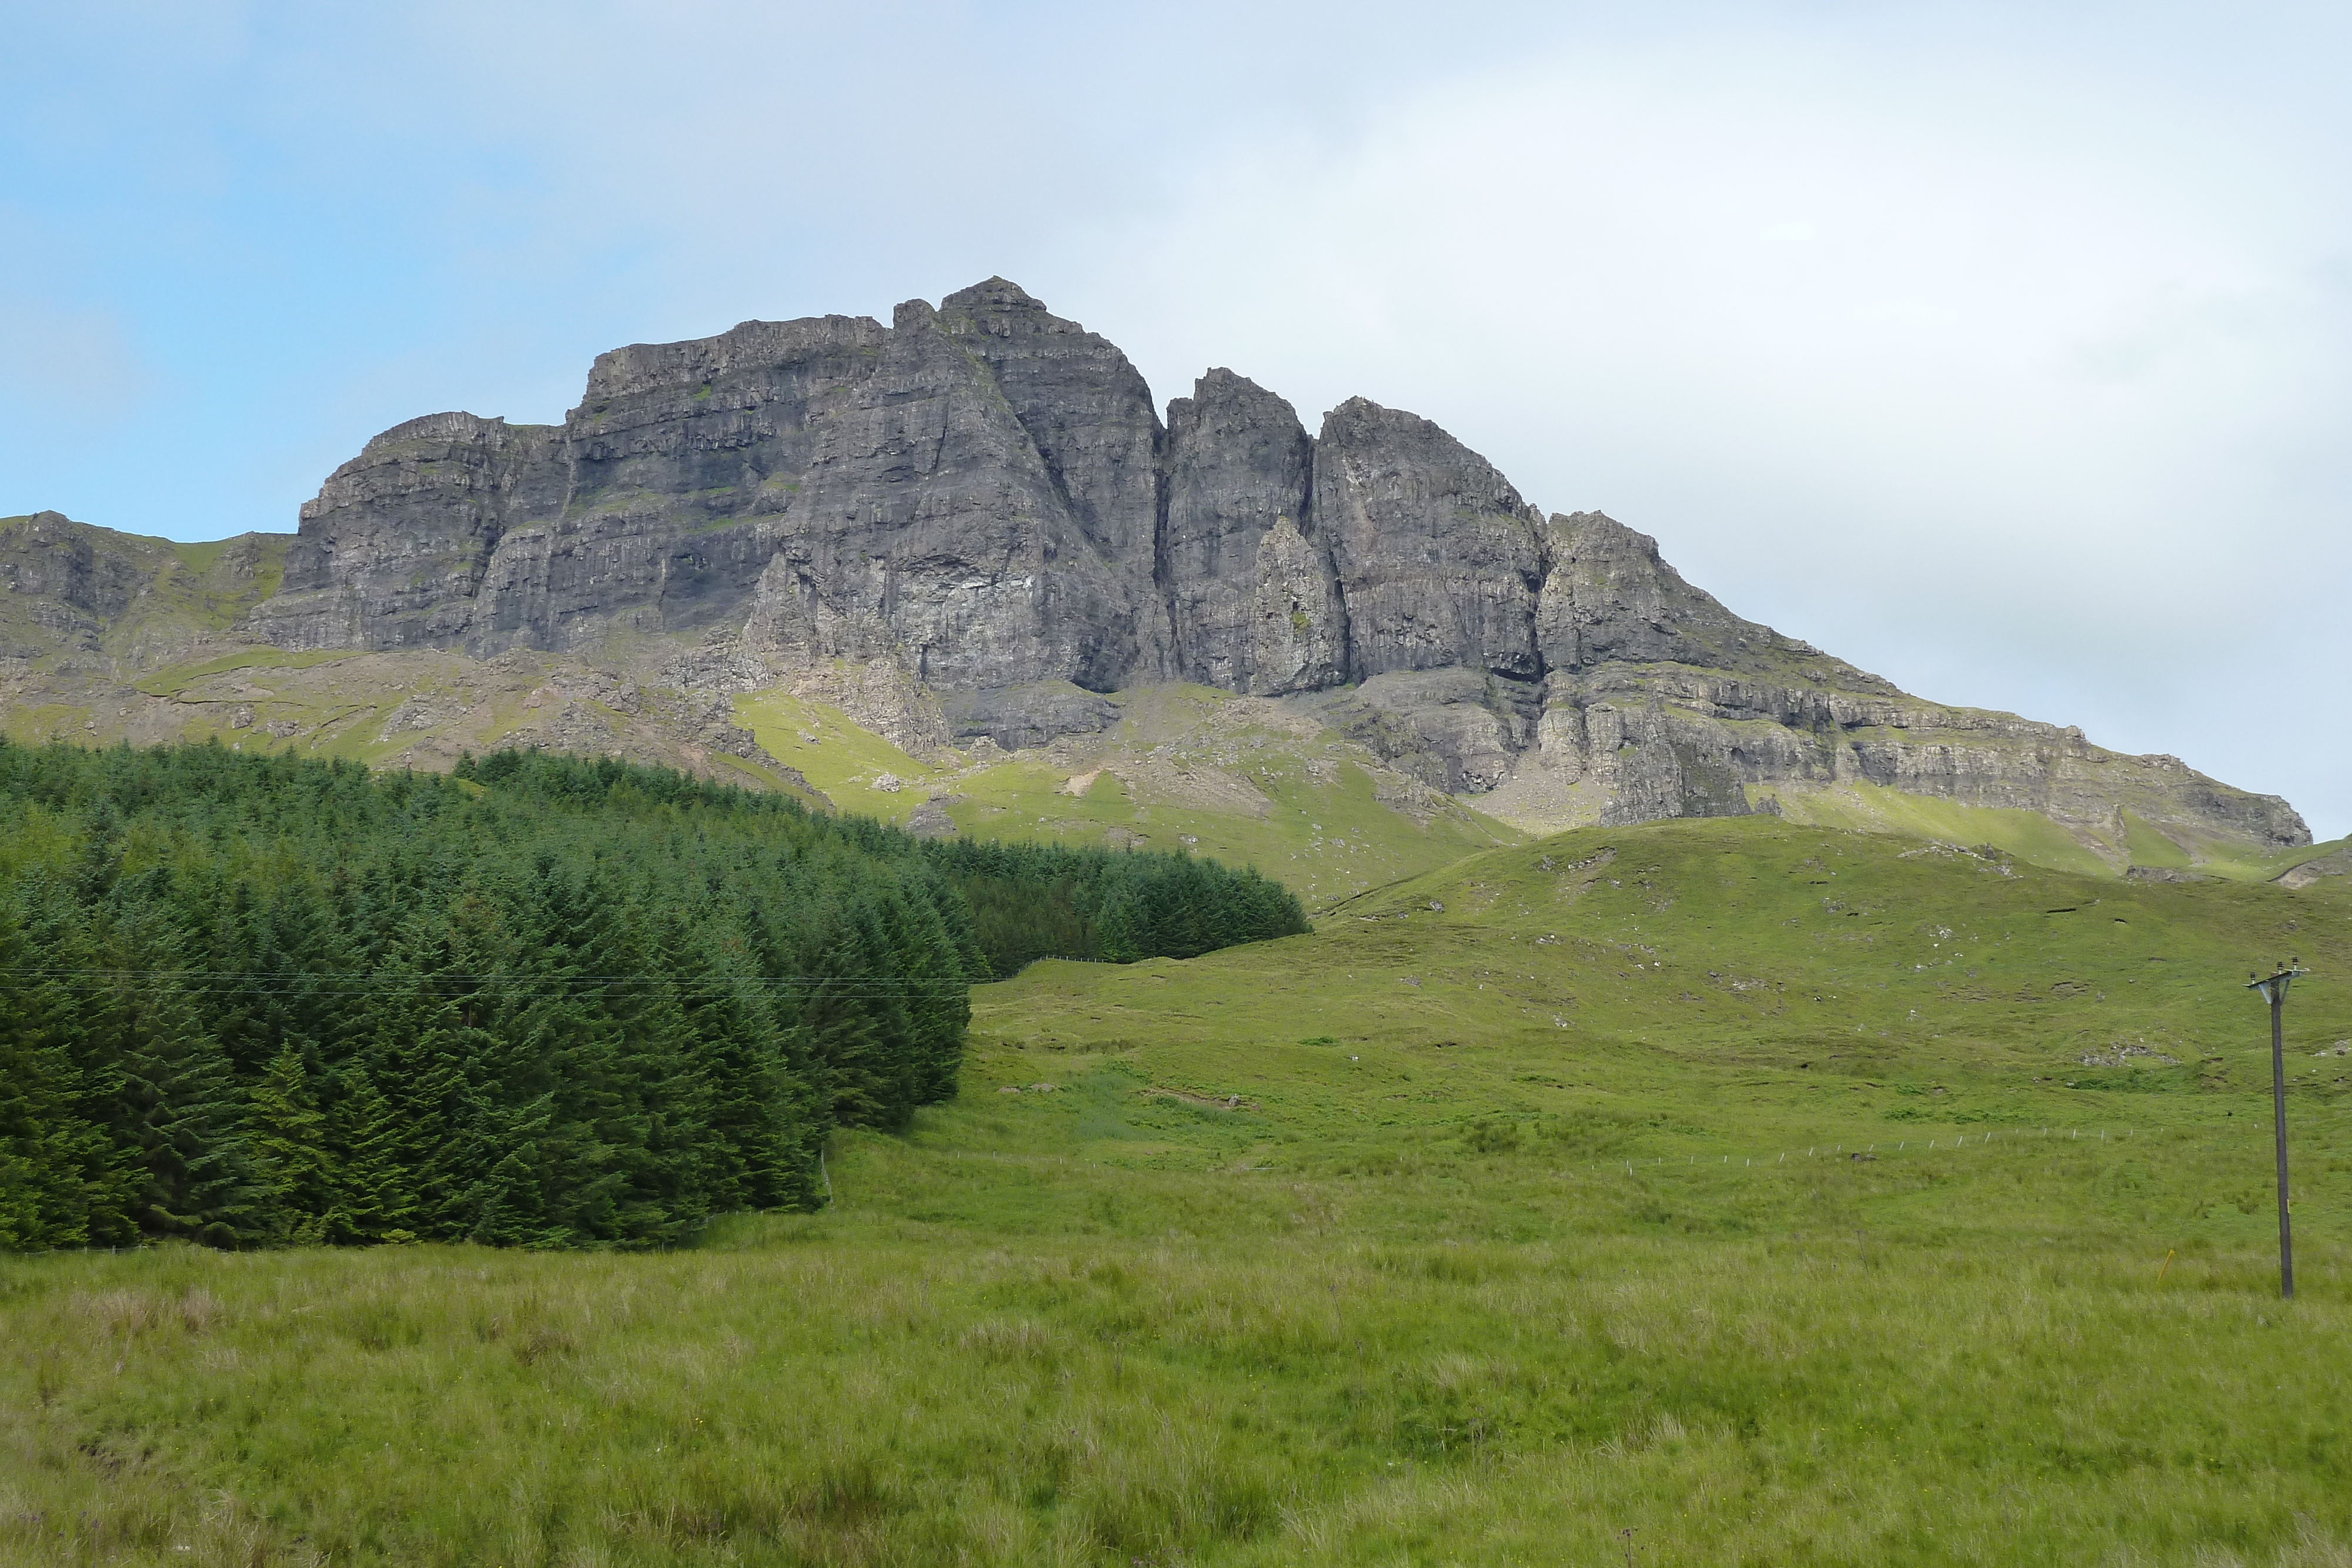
859, 770
1459, 1232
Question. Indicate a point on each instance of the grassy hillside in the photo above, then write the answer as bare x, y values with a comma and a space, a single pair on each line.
1246, 780
1735, 1185
2031, 836
421, 709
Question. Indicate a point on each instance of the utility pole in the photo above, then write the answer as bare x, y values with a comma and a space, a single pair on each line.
2273, 990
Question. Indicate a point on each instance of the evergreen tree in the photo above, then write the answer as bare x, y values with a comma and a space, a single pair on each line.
293, 1168
183, 1120
553, 1003
45, 1144
374, 1192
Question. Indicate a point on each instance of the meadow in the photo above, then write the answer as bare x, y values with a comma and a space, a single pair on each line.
1725, 1192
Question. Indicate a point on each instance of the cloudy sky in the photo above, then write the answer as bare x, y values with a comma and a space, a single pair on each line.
2005, 349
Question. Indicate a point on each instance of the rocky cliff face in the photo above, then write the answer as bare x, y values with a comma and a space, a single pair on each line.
1252, 607
978, 509
1439, 561
100, 604
972, 492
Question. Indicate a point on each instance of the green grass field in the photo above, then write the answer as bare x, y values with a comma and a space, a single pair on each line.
1773, 1194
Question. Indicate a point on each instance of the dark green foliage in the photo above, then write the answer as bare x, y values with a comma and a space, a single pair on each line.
550, 1002
1033, 900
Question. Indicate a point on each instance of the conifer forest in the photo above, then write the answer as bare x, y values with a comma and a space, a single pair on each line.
543, 1002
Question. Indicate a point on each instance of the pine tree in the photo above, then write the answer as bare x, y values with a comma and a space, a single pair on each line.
184, 1120
374, 1195
293, 1169
509, 1202
48, 1149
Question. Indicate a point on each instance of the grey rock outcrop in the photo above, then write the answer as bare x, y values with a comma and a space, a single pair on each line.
106, 603
1609, 597
1437, 557
1453, 728
1299, 636
923, 524
974, 516
1018, 717
67, 579
1252, 607
974, 490
1091, 419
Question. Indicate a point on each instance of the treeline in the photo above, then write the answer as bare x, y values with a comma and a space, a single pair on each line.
1034, 900
547, 1002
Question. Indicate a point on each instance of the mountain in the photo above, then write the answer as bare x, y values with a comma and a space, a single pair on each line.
969, 534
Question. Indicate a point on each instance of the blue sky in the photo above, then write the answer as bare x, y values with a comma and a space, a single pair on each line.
2004, 349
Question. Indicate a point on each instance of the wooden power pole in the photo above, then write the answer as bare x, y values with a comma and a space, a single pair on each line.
2273, 990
